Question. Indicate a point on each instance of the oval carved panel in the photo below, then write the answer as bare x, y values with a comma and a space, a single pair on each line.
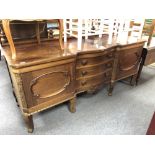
49, 84
129, 61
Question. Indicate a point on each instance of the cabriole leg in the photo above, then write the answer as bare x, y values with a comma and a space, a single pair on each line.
29, 123
111, 87
72, 105
133, 80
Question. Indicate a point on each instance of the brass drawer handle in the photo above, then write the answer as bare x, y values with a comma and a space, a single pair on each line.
84, 83
84, 62
83, 73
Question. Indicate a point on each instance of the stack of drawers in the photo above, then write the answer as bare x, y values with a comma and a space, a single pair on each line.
93, 69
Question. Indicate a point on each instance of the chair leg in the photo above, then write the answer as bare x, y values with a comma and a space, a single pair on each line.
29, 123
72, 105
111, 87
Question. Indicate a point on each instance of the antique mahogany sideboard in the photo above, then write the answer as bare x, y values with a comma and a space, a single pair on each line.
44, 75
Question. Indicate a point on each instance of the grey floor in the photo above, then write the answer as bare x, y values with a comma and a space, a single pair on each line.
128, 111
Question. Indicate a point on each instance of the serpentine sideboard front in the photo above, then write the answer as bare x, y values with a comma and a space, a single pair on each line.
44, 76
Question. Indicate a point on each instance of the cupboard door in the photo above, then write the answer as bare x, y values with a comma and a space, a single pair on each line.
128, 62
53, 84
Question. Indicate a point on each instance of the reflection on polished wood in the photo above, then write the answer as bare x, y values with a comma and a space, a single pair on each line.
6, 27
44, 75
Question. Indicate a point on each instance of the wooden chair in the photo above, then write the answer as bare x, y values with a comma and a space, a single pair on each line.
119, 28
136, 28
124, 29
149, 34
126, 64
149, 29
7, 31
80, 28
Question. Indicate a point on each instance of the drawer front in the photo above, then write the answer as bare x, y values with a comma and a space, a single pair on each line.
86, 83
88, 61
53, 84
90, 71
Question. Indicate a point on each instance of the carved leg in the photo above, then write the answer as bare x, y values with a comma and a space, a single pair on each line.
133, 80
111, 87
72, 105
144, 54
29, 123
137, 78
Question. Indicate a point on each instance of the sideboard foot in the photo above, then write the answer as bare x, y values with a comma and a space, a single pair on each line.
133, 80
29, 123
111, 87
72, 105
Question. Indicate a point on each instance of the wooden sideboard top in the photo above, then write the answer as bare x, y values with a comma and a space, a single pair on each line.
33, 53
